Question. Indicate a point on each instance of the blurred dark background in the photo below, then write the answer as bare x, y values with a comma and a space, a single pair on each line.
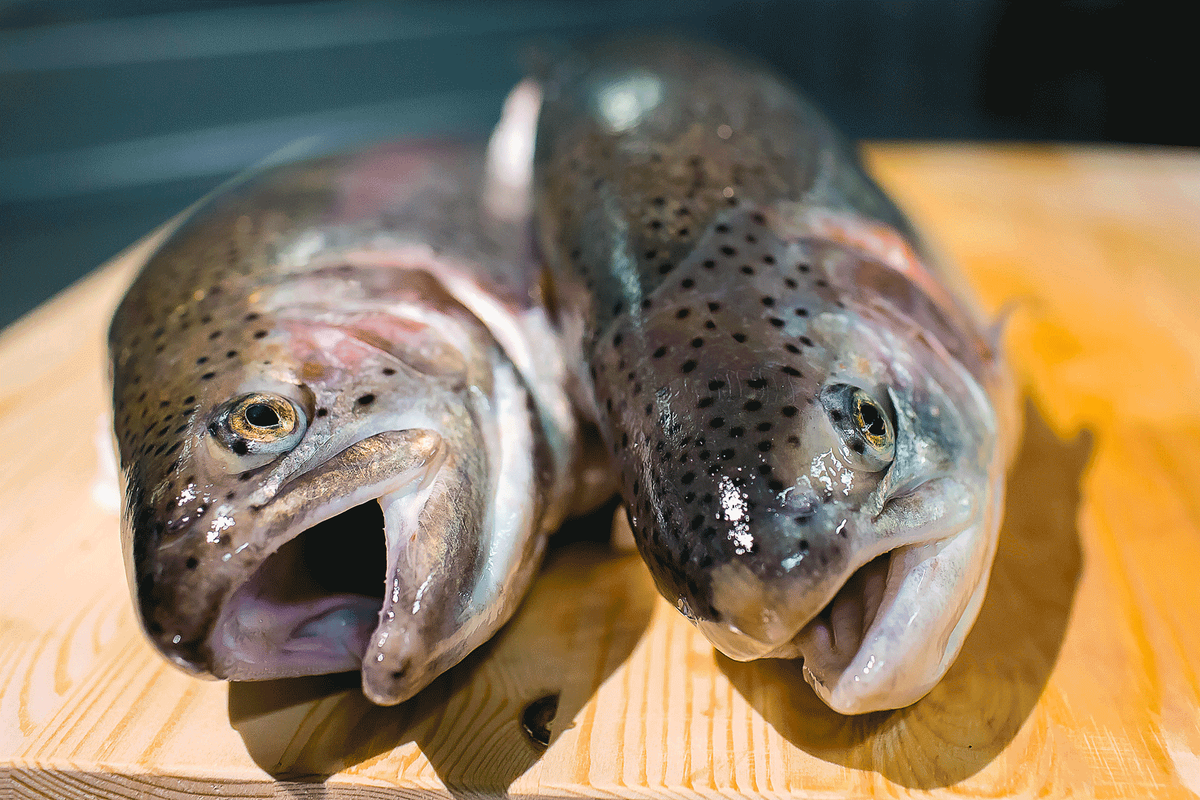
116, 114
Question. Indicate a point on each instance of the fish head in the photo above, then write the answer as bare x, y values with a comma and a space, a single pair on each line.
306, 486
814, 470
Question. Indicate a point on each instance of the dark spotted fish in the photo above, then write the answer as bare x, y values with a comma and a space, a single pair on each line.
341, 418
811, 427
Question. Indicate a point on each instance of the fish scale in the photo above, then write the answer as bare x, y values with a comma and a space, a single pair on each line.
810, 426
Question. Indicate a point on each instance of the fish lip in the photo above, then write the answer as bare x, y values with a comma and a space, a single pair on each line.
880, 673
227, 635
744, 645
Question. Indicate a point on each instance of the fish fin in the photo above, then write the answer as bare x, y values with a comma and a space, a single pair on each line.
508, 163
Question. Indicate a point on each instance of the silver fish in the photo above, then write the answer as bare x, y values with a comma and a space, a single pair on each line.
343, 430
811, 425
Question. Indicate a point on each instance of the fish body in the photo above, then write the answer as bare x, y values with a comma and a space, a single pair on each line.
341, 420
811, 425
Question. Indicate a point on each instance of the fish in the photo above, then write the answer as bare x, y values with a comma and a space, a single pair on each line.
340, 409
810, 419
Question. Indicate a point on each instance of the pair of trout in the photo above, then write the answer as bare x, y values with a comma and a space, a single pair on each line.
352, 395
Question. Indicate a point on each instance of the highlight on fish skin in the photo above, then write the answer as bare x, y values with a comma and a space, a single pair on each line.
342, 423
810, 425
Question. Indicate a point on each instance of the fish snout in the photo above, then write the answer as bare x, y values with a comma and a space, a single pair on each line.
785, 573
177, 595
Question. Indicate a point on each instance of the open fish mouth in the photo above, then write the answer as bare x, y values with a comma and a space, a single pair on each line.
313, 605
894, 627
889, 629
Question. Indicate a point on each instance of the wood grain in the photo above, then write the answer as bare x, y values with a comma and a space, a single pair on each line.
1081, 678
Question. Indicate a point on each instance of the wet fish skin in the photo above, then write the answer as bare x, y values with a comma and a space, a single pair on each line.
739, 287
385, 317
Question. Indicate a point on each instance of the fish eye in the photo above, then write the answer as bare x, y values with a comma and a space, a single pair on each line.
257, 427
864, 424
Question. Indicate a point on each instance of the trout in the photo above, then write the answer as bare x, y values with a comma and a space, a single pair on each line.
810, 421
342, 422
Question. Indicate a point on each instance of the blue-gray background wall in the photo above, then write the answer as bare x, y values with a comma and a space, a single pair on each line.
114, 115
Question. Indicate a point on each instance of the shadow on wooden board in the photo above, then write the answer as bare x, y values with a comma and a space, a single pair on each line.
488, 720
977, 709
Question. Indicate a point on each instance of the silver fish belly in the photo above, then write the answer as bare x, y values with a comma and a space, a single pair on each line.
811, 426
341, 420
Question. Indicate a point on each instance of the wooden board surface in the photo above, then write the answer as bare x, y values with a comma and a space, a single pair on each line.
1082, 676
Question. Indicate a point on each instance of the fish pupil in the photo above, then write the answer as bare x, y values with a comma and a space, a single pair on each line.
261, 416
872, 420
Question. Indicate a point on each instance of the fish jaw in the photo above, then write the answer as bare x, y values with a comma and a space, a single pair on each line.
280, 622
462, 552
888, 646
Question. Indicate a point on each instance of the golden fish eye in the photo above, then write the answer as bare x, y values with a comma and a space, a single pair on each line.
864, 424
255, 428
263, 418
871, 421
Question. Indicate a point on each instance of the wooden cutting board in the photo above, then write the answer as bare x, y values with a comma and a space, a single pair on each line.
1082, 676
